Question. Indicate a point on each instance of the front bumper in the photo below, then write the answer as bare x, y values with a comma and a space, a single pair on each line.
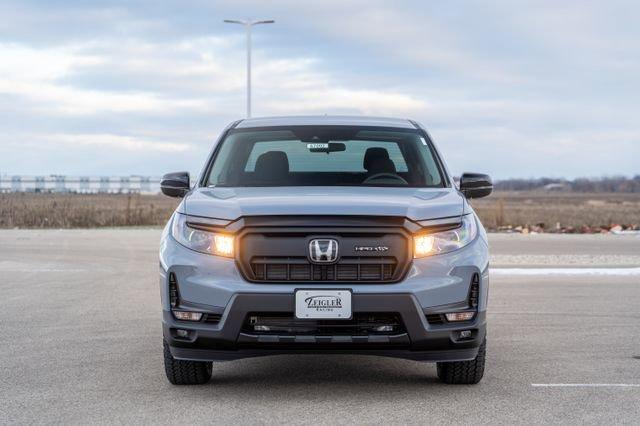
213, 284
420, 340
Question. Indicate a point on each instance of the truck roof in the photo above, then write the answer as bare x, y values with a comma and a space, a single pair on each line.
325, 120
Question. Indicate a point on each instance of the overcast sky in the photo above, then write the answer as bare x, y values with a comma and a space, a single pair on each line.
512, 88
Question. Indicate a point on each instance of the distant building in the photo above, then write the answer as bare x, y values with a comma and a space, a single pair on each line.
555, 187
81, 184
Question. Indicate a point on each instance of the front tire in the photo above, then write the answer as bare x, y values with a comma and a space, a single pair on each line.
463, 372
181, 372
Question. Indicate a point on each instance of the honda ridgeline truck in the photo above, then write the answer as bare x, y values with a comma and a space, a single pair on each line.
324, 235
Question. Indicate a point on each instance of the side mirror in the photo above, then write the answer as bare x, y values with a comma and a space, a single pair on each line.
175, 184
475, 185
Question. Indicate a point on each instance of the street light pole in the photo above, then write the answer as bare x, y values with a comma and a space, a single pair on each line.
248, 24
248, 27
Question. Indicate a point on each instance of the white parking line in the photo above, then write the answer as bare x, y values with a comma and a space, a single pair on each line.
45, 270
566, 271
585, 385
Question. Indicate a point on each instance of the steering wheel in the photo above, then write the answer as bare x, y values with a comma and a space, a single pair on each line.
385, 175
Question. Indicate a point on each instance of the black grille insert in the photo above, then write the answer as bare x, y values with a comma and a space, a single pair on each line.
362, 324
369, 269
173, 290
474, 291
212, 318
435, 319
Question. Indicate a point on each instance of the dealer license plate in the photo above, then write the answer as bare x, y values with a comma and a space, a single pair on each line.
323, 304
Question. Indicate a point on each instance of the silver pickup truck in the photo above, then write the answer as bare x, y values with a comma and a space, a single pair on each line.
324, 235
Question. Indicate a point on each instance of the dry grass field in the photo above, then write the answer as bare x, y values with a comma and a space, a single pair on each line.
22, 210
573, 211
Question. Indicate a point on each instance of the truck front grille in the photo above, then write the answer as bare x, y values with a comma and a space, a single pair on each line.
365, 269
274, 249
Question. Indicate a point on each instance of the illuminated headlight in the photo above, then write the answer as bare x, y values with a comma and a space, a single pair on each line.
199, 240
446, 241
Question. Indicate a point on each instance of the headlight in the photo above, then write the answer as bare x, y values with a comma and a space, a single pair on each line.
446, 241
199, 240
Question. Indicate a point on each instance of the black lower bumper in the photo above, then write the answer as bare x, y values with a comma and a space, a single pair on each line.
227, 340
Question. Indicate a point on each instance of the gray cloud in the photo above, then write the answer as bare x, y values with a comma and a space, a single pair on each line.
527, 89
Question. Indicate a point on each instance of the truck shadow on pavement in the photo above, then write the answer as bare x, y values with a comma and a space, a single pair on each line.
332, 370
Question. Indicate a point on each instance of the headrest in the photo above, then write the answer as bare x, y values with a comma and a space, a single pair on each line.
374, 154
272, 164
382, 165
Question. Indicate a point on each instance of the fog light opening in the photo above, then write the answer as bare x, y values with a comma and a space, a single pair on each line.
182, 333
187, 316
383, 328
465, 334
261, 328
459, 316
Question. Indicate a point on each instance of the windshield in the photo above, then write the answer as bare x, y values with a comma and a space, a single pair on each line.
325, 156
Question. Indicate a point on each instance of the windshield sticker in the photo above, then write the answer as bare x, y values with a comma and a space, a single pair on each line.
317, 146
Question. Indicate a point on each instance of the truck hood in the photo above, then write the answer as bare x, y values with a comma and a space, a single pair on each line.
412, 203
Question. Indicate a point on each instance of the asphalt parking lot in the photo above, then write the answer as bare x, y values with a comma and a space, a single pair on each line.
80, 324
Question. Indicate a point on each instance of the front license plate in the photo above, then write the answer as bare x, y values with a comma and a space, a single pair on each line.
323, 304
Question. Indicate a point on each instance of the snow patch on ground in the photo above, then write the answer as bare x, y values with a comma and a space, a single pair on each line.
566, 271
